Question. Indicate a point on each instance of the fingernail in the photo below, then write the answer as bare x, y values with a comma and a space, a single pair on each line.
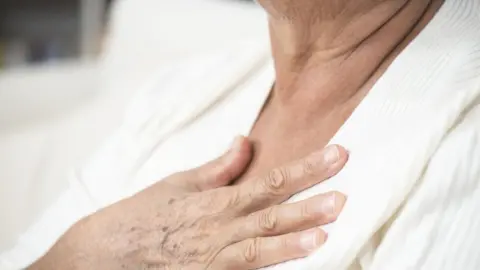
332, 154
333, 204
312, 239
237, 143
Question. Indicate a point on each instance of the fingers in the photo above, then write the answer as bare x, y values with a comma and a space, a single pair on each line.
221, 171
280, 184
316, 211
261, 252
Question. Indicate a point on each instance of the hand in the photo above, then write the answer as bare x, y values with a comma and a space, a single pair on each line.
193, 220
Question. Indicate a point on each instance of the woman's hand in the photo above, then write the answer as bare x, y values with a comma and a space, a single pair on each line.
194, 220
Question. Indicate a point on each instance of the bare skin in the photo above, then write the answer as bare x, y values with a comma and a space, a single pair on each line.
328, 54
196, 220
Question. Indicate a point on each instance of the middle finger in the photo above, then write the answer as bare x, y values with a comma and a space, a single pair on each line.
281, 183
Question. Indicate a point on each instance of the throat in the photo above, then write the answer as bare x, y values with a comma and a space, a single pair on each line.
280, 136
319, 87
327, 64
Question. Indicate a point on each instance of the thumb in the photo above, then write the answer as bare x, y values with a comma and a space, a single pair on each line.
223, 170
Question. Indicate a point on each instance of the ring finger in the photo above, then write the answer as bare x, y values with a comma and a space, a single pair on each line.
316, 211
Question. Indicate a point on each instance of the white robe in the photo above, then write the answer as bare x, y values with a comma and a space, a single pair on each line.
412, 178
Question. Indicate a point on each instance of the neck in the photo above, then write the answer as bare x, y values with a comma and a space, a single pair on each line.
326, 54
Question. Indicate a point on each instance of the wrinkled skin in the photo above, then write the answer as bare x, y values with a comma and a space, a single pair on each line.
196, 220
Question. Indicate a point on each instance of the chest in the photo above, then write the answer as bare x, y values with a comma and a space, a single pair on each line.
281, 137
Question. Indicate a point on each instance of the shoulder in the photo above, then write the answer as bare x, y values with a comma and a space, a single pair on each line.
205, 74
461, 146
215, 65
451, 179
454, 169
172, 98
437, 226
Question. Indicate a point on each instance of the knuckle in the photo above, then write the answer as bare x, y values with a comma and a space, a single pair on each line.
276, 180
220, 201
232, 200
251, 254
267, 220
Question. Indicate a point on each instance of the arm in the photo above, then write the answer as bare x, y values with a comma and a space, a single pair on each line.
195, 220
439, 226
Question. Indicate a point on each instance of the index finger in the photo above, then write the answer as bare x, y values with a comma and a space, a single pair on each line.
281, 183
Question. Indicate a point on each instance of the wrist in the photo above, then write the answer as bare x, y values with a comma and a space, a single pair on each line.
74, 250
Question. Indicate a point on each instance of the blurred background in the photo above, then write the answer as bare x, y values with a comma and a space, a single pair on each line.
67, 71
37, 31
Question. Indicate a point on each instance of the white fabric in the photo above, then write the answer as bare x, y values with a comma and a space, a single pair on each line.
413, 175
145, 34
52, 117
43, 115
